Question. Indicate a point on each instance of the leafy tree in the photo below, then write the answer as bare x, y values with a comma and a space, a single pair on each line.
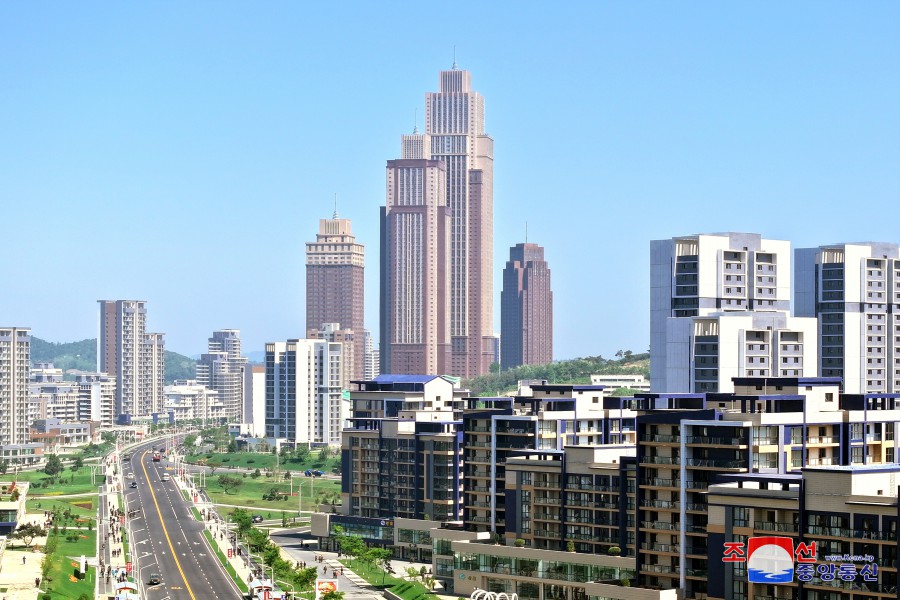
256, 474
302, 453
230, 483
232, 446
352, 545
243, 519
27, 532
190, 440
109, 437
54, 466
324, 453
213, 465
77, 463
495, 368
257, 539
332, 595
381, 558
4, 466
305, 578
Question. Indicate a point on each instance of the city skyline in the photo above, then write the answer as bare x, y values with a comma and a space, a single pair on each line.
660, 123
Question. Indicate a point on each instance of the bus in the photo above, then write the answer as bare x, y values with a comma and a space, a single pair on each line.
156, 457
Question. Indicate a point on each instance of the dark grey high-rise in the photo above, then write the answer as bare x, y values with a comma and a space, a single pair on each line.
526, 309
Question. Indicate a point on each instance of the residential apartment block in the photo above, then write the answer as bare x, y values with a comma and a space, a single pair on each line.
606, 497
402, 451
332, 332
134, 357
190, 400
15, 367
854, 291
222, 369
304, 400
707, 275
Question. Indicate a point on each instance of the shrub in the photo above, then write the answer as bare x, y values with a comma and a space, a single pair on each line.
570, 546
520, 543
614, 551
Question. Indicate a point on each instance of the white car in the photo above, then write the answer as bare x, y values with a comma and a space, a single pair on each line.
129, 475
166, 477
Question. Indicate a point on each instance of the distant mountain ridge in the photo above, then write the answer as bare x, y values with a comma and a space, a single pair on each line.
82, 356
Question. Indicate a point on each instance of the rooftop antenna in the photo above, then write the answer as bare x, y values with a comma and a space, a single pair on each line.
526, 232
454, 58
335, 206
416, 122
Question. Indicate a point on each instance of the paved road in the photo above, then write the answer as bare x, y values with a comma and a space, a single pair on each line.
167, 540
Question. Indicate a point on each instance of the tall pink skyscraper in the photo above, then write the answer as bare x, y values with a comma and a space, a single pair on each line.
454, 136
415, 250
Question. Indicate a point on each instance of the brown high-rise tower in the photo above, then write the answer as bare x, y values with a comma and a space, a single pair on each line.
526, 309
334, 284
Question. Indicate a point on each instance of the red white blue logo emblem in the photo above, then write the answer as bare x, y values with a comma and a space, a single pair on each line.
770, 559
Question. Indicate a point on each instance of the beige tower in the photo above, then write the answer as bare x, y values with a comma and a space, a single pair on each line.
335, 279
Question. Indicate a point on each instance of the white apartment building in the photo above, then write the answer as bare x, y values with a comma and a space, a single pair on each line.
97, 398
222, 369
704, 275
304, 398
372, 360
704, 353
255, 400
15, 365
187, 400
854, 290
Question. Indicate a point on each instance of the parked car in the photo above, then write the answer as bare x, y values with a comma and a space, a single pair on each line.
257, 518
317, 473
154, 579
133, 484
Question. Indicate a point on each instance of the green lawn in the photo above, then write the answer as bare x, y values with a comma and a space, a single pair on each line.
409, 590
68, 483
250, 493
84, 507
266, 460
60, 579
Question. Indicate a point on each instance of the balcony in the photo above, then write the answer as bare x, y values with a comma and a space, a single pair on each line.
778, 527
716, 441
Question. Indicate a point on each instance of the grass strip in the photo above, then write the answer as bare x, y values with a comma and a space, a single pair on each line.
241, 584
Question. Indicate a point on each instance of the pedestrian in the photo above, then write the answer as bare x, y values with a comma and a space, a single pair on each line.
23, 560
342, 571
325, 570
37, 582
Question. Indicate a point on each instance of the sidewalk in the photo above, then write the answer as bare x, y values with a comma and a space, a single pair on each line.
18, 576
111, 557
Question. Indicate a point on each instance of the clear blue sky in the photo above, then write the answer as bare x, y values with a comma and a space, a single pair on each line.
183, 152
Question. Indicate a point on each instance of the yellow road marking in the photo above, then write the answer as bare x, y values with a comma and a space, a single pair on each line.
166, 531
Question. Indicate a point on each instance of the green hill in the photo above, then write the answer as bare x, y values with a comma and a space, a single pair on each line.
576, 371
83, 357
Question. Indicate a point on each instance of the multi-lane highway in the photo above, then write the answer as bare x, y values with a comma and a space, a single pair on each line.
165, 538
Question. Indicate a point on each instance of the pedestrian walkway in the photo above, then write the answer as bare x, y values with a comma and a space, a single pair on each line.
112, 560
20, 567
